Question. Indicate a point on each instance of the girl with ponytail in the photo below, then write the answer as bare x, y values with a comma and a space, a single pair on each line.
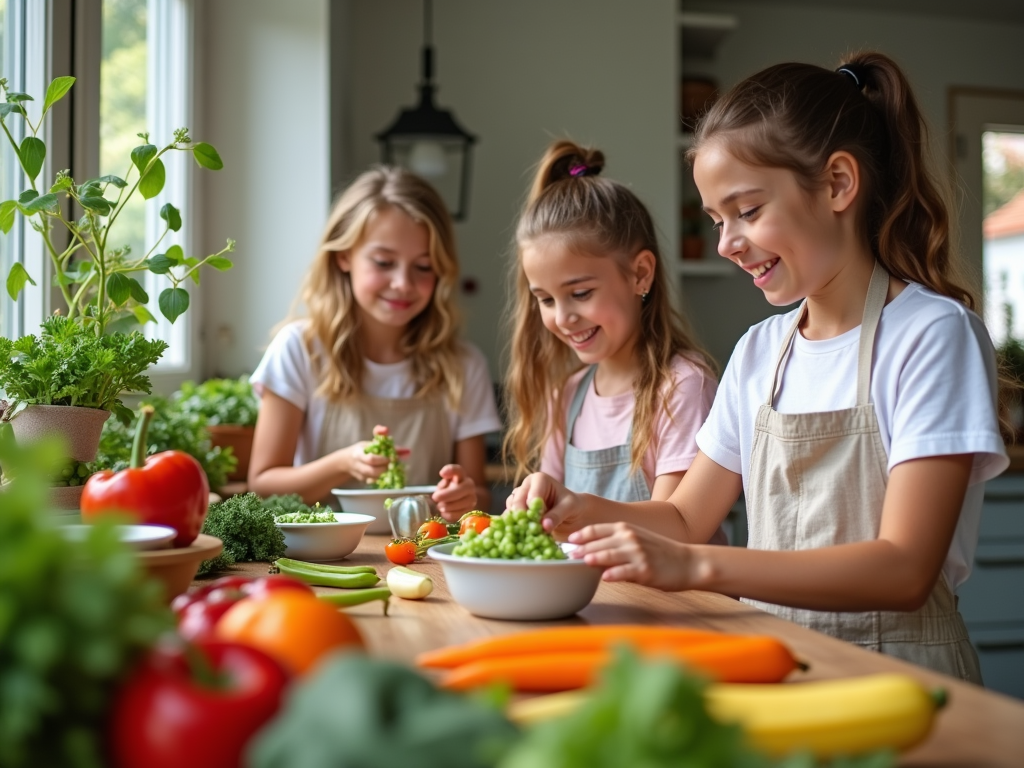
605, 388
860, 426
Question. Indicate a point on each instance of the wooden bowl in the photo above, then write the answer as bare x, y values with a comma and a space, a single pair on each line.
177, 567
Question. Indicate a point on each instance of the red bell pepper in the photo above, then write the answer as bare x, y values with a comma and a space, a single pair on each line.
169, 488
200, 610
194, 707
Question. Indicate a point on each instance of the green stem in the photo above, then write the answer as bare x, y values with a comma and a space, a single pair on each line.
202, 670
139, 444
357, 597
56, 263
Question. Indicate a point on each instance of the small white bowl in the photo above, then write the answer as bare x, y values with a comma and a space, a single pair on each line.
138, 537
520, 590
370, 501
324, 541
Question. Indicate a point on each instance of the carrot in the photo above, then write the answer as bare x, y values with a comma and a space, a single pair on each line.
735, 659
567, 640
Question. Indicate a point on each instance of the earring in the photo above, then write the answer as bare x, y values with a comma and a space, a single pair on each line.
643, 296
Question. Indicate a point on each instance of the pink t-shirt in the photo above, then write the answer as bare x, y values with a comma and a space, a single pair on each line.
604, 423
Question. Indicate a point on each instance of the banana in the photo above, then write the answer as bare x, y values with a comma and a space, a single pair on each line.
541, 708
830, 717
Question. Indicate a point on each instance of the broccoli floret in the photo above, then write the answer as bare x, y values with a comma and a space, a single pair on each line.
394, 475
247, 529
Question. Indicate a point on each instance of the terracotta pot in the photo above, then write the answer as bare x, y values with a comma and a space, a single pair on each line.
693, 247
176, 568
240, 441
65, 499
79, 427
696, 95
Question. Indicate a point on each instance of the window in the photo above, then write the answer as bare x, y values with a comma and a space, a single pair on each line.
145, 86
1003, 227
22, 62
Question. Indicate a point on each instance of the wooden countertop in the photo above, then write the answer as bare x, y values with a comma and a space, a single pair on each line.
977, 728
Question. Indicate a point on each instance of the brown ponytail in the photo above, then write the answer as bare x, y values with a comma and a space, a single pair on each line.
796, 116
569, 199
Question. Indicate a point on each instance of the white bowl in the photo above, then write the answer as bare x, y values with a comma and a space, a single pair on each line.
521, 590
324, 541
370, 501
138, 537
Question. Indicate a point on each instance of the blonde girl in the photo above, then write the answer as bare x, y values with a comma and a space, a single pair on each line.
605, 388
860, 426
380, 346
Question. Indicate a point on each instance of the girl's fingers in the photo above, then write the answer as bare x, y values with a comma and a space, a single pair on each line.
593, 533
403, 452
380, 429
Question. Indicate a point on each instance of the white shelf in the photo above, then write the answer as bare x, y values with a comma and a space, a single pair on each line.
714, 267
702, 32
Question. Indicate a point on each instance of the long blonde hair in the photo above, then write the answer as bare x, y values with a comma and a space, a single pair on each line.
431, 338
601, 217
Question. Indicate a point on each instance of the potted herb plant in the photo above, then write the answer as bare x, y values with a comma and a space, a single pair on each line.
229, 408
81, 363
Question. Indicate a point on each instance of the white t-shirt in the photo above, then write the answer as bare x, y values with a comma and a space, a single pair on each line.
933, 385
604, 422
287, 371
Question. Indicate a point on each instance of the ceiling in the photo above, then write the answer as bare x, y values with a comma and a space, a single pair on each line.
1006, 11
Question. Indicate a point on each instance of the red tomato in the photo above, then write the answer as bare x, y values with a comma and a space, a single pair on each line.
432, 529
166, 716
476, 522
401, 551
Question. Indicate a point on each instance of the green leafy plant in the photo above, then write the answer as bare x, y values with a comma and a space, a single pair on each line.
247, 528
68, 364
169, 430
220, 401
76, 615
96, 277
356, 710
287, 504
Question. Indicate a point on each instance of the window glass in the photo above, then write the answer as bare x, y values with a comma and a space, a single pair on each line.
123, 108
1003, 242
143, 90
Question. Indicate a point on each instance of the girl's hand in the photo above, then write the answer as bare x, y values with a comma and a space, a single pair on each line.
455, 494
361, 466
629, 553
564, 508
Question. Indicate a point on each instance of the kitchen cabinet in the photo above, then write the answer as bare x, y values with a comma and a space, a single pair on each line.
992, 599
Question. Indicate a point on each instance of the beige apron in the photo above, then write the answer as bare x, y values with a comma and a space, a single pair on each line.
818, 480
420, 424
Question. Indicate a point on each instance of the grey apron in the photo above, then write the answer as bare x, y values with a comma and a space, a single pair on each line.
606, 471
818, 480
420, 424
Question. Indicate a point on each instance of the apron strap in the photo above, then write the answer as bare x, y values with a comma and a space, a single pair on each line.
577, 402
780, 361
878, 289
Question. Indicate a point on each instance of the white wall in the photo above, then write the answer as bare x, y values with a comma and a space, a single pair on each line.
935, 52
519, 74
263, 82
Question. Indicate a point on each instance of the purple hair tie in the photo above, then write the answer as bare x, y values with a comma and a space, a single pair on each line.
578, 170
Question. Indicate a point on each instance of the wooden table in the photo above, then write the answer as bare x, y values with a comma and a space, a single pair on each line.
977, 729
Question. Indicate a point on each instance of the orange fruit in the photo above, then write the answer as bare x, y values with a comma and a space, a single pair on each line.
294, 627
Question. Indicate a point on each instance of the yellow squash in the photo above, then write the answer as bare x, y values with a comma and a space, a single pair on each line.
828, 718
831, 717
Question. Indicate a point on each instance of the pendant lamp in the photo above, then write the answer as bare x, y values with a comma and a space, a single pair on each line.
428, 140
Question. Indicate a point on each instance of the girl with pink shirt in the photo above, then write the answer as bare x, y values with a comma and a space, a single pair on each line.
606, 390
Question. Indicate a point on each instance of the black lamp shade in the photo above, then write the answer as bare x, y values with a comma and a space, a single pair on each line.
430, 142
